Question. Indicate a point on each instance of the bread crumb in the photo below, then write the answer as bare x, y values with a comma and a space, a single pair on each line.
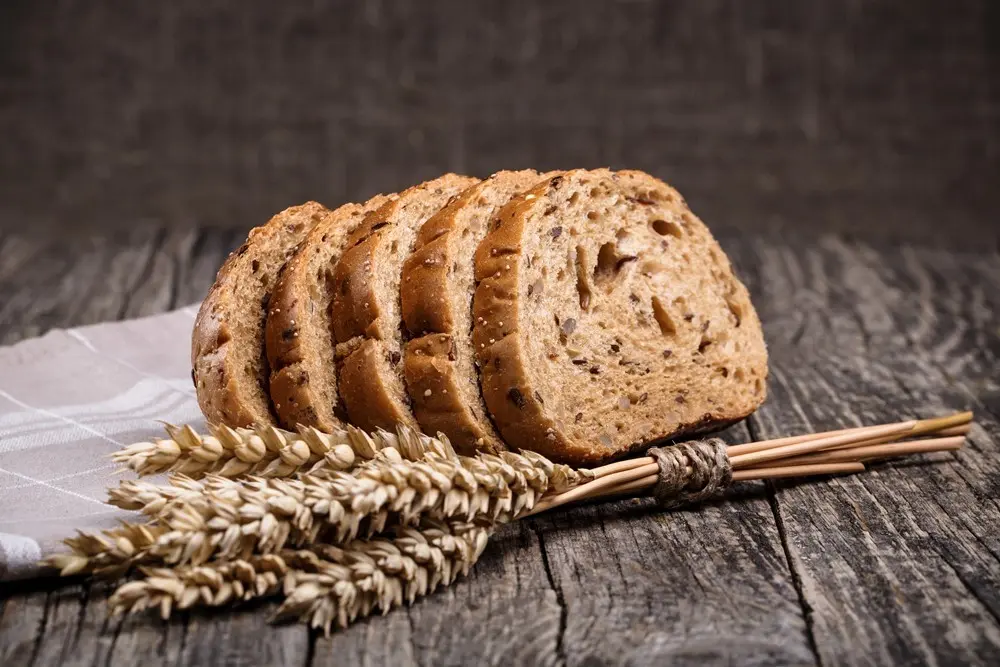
427, 392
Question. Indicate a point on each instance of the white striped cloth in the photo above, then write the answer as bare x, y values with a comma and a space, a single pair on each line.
67, 400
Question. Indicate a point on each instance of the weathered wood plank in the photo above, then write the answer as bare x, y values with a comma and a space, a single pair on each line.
23, 624
504, 613
705, 585
899, 564
67, 280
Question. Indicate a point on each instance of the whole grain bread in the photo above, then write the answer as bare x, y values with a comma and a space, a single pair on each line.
607, 318
229, 368
368, 326
436, 297
299, 336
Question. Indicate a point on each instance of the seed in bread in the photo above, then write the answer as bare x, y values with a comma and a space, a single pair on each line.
229, 368
298, 336
368, 325
607, 317
436, 296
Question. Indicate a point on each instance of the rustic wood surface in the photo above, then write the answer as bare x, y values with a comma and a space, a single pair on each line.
898, 565
209, 112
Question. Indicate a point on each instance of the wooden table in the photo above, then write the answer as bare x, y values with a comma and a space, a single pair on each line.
898, 565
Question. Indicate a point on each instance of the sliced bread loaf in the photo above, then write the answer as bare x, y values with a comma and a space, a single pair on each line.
436, 296
607, 317
298, 337
368, 324
229, 367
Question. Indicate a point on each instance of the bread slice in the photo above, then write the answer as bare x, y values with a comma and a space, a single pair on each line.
229, 367
368, 326
436, 296
298, 336
607, 317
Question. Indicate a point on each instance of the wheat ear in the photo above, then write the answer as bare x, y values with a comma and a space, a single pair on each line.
219, 518
326, 586
265, 451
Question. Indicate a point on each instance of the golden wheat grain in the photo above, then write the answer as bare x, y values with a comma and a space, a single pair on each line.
326, 586
220, 518
265, 451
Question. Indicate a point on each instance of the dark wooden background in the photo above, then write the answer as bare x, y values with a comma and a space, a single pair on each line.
847, 155
120, 114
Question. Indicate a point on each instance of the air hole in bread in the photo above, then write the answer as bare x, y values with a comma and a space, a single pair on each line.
703, 345
394, 247
664, 228
574, 198
592, 215
667, 325
736, 309
609, 263
255, 266
739, 375
583, 278
465, 232
561, 275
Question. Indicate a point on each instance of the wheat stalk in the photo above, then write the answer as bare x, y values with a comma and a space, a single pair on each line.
265, 451
219, 518
326, 586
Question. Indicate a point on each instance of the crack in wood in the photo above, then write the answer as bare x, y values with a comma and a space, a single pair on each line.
556, 588
42, 627
773, 503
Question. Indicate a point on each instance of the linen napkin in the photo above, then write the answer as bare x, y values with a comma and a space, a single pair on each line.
67, 400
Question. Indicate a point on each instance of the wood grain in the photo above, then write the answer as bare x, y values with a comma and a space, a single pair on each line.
204, 112
901, 561
897, 565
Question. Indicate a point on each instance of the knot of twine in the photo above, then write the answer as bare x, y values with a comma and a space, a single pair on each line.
691, 471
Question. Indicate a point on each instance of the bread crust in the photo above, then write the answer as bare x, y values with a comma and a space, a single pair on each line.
432, 379
364, 361
300, 310
517, 408
225, 393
